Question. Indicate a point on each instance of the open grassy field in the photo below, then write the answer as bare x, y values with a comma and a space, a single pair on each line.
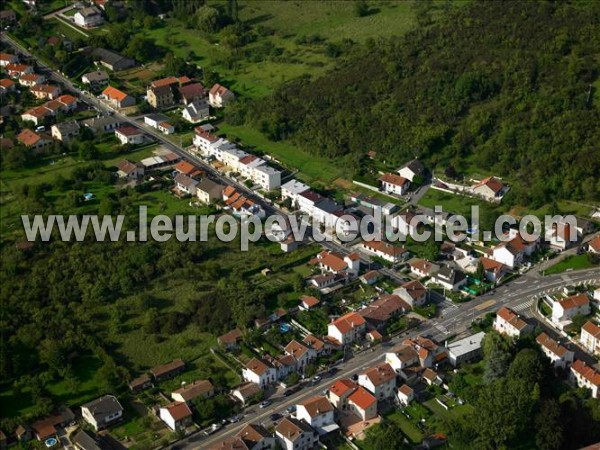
411, 431
455, 204
577, 262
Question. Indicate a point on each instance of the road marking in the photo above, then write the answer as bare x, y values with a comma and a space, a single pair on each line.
523, 306
485, 305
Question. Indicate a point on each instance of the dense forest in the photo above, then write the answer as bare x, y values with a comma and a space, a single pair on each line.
494, 87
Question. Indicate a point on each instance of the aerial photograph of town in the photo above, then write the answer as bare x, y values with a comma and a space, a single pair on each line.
300, 224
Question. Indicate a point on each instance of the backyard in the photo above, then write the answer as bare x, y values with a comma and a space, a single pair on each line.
574, 262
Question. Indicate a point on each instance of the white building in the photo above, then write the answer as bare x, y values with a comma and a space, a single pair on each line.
129, 135
590, 337
405, 395
259, 372
413, 293
385, 250
513, 252
412, 169
176, 415
449, 278
558, 354
292, 189
196, 111
362, 404
509, 323
219, 96
465, 350
102, 412
88, 17
380, 381
564, 310
293, 434
347, 328
301, 353
318, 413
401, 357
586, 377
394, 184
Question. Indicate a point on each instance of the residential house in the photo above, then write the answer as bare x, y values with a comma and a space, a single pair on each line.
231, 339
593, 246
128, 135
325, 281
160, 122
318, 413
412, 169
370, 278
219, 96
104, 124
371, 204
7, 16
586, 377
394, 184
304, 355
431, 377
95, 79
87, 440
8, 58
102, 412
140, 383
362, 404
405, 395
36, 115
169, 370
48, 426
251, 437
46, 91
379, 380
308, 302
259, 372
379, 312
347, 328
338, 393
429, 352
329, 261
293, 434
199, 388
559, 355
6, 85
490, 188
188, 169
160, 96
385, 250
562, 235
316, 344
401, 357
177, 416
246, 392
186, 184
493, 270
34, 140
117, 98
112, 60
512, 252
196, 111
292, 189
191, 93
510, 323
423, 268
413, 293
17, 70
449, 278
65, 131
465, 350
130, 170
89, 17
209, 191
32, 79
590, 337
564, 310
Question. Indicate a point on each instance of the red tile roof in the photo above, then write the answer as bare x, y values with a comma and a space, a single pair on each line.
574, 301
380, 374
179, 410
394, 179
550, 344
587, 372
384, 247
317, 405
342, 387
310, 301
128, 131
28, 137
595, 244
362, 398
491, 182
349, 321
6, 83
592, 329
217, 89
114, 94
257, 366
512, 318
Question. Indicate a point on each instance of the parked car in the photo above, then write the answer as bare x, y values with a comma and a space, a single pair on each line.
316, 379
275, 416
291, 409
236, 418
264, 404
214, 428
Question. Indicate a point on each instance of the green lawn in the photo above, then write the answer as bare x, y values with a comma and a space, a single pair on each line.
456, 204
408, 428
576, 262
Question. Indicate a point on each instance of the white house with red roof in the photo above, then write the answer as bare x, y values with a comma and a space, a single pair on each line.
302, 354
586, 377
405, 395
510, 323
347, 328
380, 381
362, 404
401, 357
338, 392
394, 184
490, 188
8, 58
593, 246
590, 337
493, 270
318, 413
423, 268
219, 96
559, 355
514, 250
562, 235
333, 262
565, 309
129, 135
413, 292
177, 415
385, 250
259, 372
308, 302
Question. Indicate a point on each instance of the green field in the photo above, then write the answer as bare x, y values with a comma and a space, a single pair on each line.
411, 431
455, 204
577, 262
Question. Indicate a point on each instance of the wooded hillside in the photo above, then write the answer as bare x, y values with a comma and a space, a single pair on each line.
494, 87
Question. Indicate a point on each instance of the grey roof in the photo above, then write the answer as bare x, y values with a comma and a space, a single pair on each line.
328, 205
416, 166
186, 181
450, 275
466, 345
97, 75
67, 127
108, 56
86, 441
89, 11
213, 189
103, 406
101, 122
158, 117
207, 127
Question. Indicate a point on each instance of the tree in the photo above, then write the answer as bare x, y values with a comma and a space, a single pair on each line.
528, 366
480, 272
141, 48
208, 19
361, 8
548, 426
497, 356
385, 436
